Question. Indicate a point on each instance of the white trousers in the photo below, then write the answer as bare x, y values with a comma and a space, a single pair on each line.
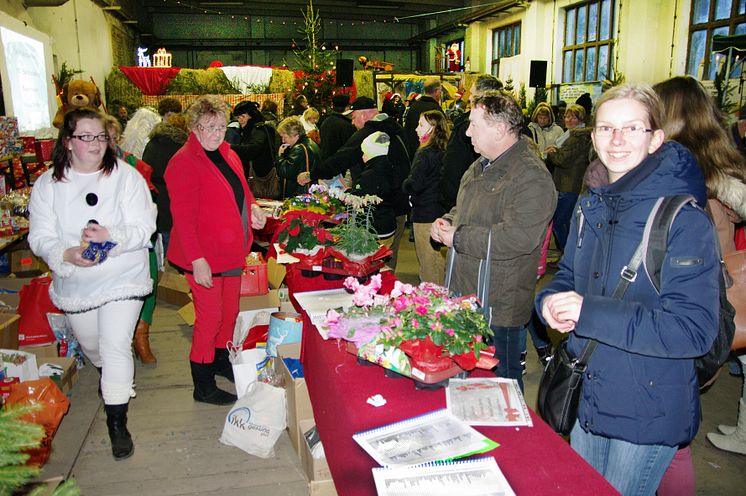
105, 336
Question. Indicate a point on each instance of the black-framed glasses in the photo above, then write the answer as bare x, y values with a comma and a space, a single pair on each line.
633, 131
88, 138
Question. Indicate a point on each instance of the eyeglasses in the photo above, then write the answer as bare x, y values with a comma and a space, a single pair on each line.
88, 138
633, 131
212, 129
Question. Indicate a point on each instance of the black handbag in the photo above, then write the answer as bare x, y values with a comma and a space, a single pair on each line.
560, 386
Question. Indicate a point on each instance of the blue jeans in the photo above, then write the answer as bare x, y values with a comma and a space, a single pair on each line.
509, 344
633, 469
562, 217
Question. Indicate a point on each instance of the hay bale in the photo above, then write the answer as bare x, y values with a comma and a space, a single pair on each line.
201, 82
121, 91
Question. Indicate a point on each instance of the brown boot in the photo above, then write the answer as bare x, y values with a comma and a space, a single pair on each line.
142, 344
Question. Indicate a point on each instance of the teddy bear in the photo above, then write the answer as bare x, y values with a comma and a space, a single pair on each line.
76, 94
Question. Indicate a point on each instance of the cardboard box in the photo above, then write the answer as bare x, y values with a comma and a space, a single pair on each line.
69, 371
9, 331
296, 391
322, 488
174, 289
13, 284
26, 263
317, 469
42, 351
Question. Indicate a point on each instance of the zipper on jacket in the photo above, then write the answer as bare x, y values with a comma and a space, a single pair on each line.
612, 222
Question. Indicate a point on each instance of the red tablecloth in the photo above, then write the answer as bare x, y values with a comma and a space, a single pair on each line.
534, 460
150, 80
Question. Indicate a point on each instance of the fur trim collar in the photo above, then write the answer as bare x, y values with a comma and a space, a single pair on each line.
732, 193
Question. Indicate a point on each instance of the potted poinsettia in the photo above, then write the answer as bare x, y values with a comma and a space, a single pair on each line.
301, 232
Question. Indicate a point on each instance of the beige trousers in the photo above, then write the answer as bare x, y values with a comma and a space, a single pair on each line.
432, 261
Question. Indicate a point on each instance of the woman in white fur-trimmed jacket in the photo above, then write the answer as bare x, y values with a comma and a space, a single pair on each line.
90, 196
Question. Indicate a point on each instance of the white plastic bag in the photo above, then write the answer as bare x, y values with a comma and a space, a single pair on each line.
256, 420
246, 366
19, 364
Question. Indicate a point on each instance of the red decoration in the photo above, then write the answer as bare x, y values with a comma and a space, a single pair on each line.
150, 80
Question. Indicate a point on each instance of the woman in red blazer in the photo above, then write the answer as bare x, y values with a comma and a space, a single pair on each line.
211, 207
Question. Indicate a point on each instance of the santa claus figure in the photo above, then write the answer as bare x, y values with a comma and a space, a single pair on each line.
454, 58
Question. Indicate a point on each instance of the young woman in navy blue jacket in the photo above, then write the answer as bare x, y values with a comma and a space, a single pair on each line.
640, 398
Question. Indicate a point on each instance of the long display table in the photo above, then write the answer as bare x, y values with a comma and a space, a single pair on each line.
535, 460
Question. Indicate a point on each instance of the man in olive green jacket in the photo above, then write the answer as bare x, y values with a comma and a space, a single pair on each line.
506, 198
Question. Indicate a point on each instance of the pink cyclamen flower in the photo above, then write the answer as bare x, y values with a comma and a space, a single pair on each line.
415, 324
449, 331
421, 310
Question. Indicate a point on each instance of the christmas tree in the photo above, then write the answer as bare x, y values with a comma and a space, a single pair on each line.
16, 436
317, 63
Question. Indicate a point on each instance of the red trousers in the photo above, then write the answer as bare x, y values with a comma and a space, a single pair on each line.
216, 310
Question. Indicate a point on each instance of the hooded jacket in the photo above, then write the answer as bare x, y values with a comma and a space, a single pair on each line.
334, 132
350, 156
165, 141
640, 385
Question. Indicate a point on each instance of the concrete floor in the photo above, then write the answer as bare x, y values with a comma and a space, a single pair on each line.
176, 439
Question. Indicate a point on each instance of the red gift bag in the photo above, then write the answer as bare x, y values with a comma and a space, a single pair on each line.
33, 327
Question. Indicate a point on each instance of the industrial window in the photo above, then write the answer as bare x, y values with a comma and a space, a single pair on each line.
586, 54
506, 42
708, 18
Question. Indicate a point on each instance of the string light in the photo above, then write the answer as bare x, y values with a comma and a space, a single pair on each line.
203, 10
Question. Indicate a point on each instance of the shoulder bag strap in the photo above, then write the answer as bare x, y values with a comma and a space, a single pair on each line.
628, 275
305, 151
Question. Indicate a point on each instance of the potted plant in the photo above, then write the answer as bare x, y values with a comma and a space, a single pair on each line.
301, 232
355, 236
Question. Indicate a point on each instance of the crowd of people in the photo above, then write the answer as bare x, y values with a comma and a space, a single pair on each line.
483, 194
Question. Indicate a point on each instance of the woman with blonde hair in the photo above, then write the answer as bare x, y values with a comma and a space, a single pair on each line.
640, 400
691, 117
298, 154
434, 131
213, 214
544, 130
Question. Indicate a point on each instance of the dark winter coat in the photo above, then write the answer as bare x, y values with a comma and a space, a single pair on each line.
514, 199
570, 160
459, 155
165, 141
422, 185
376, 178
350, 156
293, 161
416, 108
640, 385
258, 146
334, 132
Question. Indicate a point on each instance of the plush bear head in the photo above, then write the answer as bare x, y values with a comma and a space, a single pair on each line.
80, 93
76, 94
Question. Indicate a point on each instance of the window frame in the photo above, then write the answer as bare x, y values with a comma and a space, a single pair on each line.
708, 27
585, 46
496, 48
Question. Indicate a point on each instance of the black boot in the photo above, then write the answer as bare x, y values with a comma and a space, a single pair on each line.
205, 389
223, 366
121, 441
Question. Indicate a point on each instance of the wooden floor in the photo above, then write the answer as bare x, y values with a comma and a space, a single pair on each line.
177, 451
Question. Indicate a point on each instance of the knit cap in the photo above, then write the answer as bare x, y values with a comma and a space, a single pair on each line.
376, 145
